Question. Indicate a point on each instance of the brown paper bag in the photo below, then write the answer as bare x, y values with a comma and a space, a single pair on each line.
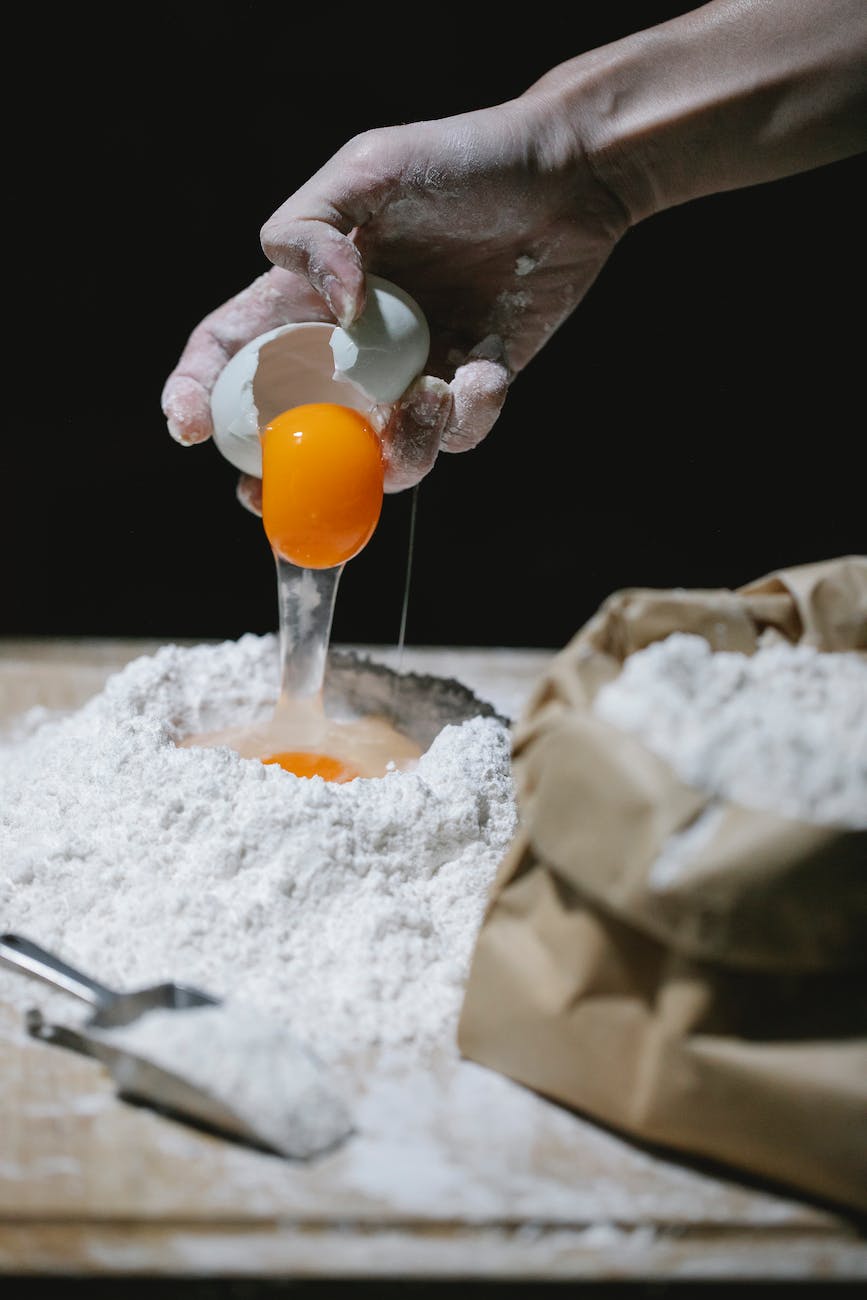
721, 1010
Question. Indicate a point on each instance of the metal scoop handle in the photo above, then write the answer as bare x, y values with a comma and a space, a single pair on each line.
24, 955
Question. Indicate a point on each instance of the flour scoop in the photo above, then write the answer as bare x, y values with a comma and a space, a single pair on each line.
218, 1064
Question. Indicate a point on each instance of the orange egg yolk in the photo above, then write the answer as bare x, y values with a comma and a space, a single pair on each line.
322, 484
304, 764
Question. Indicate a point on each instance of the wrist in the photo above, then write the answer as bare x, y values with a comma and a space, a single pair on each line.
734, 93
580, 102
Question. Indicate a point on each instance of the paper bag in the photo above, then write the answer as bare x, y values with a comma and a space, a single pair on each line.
720, 1009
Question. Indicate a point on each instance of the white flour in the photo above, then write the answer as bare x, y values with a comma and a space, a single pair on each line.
268, 1086
784, 729
347, 911
350, 914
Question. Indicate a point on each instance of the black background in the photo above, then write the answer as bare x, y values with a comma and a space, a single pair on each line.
697, 422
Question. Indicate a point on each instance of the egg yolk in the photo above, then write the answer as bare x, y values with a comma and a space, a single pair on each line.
301, 763
322, 484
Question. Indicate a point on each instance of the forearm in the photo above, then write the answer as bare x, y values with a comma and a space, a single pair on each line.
735, 93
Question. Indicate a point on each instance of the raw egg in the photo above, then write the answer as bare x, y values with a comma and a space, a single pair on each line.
322, 484
302, 739
301, 763
365, 366
322, 494
294, 407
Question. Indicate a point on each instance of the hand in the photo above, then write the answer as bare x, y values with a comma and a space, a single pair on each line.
491, 220
497, 223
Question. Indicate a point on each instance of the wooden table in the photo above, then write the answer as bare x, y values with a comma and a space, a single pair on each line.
456, 1173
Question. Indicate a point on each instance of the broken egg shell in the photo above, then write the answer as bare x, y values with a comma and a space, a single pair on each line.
387, 347
285, 367
367, 366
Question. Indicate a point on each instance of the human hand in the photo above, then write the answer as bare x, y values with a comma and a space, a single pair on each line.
497, 222
491, 220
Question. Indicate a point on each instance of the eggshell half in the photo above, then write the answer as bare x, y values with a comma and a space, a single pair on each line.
387, 347
285, 367
370, 364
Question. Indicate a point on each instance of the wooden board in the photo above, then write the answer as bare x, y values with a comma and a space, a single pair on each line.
454, 1172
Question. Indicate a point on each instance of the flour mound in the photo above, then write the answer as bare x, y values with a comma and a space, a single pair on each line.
784, 729
349, 911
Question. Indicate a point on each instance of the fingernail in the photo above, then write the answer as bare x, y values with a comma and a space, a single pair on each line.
379, 416
249, 492
185, 436
491, 348
426, 396
340, 301
426, 404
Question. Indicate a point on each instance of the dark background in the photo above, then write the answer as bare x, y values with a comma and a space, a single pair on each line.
709, 391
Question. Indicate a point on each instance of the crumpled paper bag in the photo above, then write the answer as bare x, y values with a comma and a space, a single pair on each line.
719, 1009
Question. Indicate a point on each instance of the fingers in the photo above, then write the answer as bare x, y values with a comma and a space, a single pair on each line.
249, 493
186, 395
309, 233
434, 416
479, 390
275, 298
412, 436
187, 409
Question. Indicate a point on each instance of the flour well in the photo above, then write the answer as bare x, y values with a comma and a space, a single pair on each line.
348, 911
784, 729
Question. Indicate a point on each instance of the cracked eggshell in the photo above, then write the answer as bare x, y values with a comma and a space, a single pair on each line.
387, 347
366, 366
285, 367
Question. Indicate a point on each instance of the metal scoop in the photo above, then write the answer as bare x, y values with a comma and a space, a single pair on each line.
142, 1080
110, 1007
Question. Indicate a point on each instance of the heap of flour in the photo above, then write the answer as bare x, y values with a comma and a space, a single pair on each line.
347, 911
784, 729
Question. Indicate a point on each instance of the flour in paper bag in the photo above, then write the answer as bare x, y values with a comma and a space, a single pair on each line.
783, 730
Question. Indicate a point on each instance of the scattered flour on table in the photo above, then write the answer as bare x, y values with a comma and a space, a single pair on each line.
784, 729
256, 1069
347, 911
